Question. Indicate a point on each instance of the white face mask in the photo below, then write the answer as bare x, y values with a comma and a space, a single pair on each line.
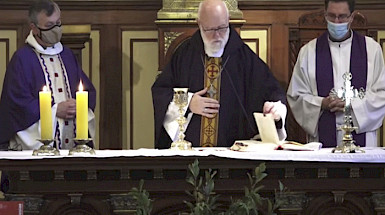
338, 31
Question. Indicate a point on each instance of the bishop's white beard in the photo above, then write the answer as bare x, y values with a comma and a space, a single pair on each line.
216, 47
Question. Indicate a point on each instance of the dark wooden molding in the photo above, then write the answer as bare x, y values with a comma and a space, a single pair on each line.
88, 4
302, 4
110, 88
21, 30
157, 4
76, 42
373, 33
279, 5
317, 20
253, 40
6, 41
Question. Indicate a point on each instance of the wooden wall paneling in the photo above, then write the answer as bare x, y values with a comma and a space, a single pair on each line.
8, 45
294, 130
75, 37
139, 71
257, 38
279, 50
110, 87
280, 19
91, 66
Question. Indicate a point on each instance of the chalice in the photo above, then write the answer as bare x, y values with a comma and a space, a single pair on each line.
181, 100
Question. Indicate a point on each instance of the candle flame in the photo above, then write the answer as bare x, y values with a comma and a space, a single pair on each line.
45, 88
81, 87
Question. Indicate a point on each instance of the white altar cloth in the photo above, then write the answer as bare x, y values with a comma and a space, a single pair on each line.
371, 155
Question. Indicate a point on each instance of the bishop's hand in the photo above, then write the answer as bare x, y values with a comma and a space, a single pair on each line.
204, 106
269, 108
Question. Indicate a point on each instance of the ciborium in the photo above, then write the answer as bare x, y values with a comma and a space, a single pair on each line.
46, 149
181, 100
347, 93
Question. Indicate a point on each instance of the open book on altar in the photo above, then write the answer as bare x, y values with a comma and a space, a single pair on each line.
270, 139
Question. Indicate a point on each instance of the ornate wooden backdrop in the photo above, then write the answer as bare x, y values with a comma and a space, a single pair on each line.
119, 26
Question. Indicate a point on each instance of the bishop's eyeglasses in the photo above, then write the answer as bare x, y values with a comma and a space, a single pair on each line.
220, 30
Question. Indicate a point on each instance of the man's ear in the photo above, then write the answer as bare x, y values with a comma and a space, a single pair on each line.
33, 28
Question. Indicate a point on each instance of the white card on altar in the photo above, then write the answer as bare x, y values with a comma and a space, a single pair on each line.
266, 127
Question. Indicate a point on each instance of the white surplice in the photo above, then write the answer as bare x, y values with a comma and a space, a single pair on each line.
302, 95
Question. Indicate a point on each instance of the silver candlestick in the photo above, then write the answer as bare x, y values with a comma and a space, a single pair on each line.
181, 100
347, 94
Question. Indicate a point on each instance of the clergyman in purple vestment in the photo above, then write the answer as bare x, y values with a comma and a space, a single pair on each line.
320, 67
42, 61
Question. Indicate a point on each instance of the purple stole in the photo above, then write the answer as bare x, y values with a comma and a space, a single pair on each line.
324, 76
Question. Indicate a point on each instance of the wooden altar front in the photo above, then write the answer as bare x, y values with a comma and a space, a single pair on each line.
99, 186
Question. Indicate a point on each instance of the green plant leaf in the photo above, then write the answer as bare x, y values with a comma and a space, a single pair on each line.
205, 198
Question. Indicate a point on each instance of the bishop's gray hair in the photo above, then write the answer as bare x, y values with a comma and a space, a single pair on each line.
48, 6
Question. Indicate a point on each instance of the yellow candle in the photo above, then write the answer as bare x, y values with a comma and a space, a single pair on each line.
45, 114
81, 113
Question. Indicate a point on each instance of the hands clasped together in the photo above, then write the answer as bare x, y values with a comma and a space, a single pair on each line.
333, 104
67, 109
209, 107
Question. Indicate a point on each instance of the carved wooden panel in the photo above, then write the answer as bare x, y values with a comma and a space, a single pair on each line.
108, 17
99, 186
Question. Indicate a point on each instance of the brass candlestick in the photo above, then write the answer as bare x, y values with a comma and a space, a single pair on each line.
180, 99
81, 147
347, 94
46, 149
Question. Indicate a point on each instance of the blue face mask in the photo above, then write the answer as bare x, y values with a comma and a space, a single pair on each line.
338, 31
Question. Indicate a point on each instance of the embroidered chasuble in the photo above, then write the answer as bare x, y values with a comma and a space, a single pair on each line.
212, 81
57, 81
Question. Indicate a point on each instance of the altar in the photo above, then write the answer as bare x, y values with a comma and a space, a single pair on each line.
319, 182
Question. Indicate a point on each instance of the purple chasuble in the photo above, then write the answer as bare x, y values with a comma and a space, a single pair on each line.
24, 79
324, 76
